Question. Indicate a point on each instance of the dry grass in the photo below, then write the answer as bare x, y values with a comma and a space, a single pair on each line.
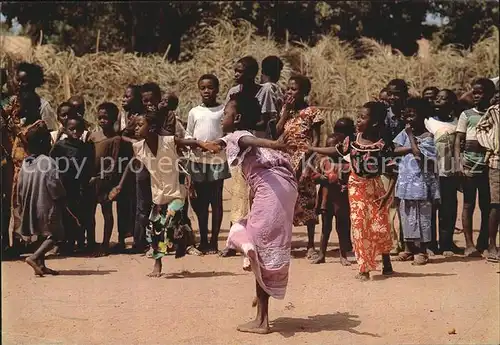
340, 82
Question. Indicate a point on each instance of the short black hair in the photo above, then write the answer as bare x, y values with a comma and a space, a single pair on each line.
211, 77
249, 108
420, 105
78, 99
430, 88
153, 88
378, 112
136, 107
34, 72
172, 101
344, 125
75, 117
38, 139
272, 66
400, 84
65, 104
304, 83
251, 65
154, 119
111, 109
451, 94
487, 84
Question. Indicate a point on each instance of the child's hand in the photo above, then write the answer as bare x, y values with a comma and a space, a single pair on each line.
210, 146
114, 192
408, 128
289, 103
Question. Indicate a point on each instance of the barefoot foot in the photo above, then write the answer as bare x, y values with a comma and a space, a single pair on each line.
38, 270
344, 262
363, 276
319, 260
471, 252
47, 270
254, 327
154, 274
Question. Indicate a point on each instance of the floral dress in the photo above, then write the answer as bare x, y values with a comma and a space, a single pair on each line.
370, 227
299, 130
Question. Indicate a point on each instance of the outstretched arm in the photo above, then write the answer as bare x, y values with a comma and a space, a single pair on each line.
133, 164
250, 141
331, 151
182, 143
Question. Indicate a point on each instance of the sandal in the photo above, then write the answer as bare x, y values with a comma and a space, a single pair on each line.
420, 260
404, 256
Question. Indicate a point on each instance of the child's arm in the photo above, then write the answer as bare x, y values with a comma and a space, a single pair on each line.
459, 138
401, 151
183, 143
413, 142
136, 165
250, 141
327, 151
384, 200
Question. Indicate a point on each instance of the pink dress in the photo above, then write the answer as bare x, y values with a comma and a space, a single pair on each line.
265, 235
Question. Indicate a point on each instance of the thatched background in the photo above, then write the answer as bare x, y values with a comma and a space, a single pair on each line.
340, 82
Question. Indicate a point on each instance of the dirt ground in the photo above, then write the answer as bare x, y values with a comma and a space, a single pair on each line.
200, 300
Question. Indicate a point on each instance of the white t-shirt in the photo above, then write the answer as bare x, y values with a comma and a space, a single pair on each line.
164, 170
205, 124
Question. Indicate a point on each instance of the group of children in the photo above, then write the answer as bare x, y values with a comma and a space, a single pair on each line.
399, 158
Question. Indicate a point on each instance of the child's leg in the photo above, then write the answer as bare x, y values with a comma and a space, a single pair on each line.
326, 230
343, 227
261, 323
483, 187
386, 264
469, 191
143, 208
89, 219
216, 188
35, 258
200, 207
107, 213
447, 214
156, 273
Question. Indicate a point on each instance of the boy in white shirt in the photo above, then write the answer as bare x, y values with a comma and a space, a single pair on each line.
208, 171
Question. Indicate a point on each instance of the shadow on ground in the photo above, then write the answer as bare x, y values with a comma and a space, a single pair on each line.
289, 326
187, 274
85, 272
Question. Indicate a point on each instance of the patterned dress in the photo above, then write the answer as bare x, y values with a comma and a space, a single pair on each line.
299, 129
370, 227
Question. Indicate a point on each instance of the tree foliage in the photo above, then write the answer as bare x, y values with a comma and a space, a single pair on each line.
155, 27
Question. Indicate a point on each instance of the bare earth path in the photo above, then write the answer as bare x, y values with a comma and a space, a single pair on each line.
201, 300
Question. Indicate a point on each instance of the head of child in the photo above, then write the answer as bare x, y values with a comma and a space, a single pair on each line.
74, 126
430, 94
397, 91
78, 103
147, 125
416, 111
446, 104
245, 70
242, 112
345, 125
28, 77
271, 69
370, 120
483, 90
298, 88
107, 114
208, 84
63, 111
151, 96
132, 99
38, 139
334, 139
383, 96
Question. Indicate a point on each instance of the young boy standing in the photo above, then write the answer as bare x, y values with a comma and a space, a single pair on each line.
472, 165
208, 171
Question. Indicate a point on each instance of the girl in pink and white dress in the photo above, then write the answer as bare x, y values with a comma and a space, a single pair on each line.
264, 236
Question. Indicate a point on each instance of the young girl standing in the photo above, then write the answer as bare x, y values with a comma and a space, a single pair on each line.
264, 236
367, 195
167, 223
417, 186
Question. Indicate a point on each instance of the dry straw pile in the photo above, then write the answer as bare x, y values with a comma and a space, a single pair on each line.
340, 81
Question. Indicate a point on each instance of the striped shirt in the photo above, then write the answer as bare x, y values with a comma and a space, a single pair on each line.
487, 132
474, 154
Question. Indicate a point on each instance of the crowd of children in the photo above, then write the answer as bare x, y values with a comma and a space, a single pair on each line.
404, 157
